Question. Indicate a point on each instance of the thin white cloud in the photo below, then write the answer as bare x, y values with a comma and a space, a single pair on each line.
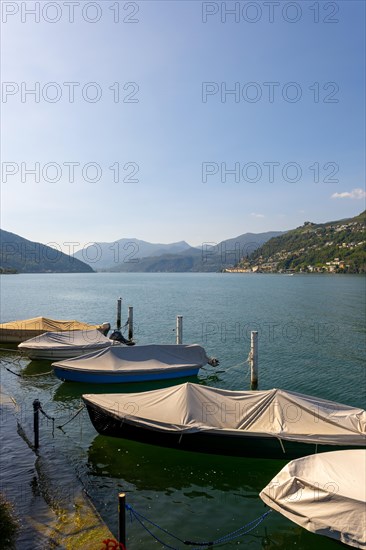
255, 215
354, 194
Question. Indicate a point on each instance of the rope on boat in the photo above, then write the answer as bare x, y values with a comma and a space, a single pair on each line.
44, 413
22, 375
13, 350
244, 530
72, 418
37, 406
12, 372
123, 327
241, 364
40, 374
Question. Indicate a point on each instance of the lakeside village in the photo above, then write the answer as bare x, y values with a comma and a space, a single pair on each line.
278, 260
335, 266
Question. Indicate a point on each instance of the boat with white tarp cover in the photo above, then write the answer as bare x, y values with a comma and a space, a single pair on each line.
270, 424
58, 345
133, 364
325, 494
15, 332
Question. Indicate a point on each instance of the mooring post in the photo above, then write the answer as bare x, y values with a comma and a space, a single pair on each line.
179, 331
119, 311
254, 359
36, 407
130, 322
122, 519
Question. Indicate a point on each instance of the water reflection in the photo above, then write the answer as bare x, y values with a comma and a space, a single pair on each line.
34, 368
149, 467
74, 390
197, 496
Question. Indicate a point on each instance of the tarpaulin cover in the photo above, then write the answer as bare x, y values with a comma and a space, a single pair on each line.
84, 339
324, 493
149, 358
15, 331
272, 413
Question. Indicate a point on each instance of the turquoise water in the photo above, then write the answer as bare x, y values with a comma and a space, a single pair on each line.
311, 339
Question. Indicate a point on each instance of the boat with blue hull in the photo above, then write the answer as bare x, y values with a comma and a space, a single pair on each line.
133, 364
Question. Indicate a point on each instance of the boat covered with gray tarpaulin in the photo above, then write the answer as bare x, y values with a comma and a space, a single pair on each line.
272, 423
120, 364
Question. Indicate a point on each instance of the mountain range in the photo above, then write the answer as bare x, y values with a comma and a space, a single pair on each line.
133, 255
338, 246
21, 255
104, 256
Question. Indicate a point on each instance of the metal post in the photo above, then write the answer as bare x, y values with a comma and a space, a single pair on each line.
122, 519
130, 322
179, 331
36, 407
119, 311
254, 359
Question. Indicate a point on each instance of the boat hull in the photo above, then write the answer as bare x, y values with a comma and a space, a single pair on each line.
19, 332
205, 441
121, 377
57, 354
13, 336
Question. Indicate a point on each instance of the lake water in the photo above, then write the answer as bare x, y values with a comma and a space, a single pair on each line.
311, 339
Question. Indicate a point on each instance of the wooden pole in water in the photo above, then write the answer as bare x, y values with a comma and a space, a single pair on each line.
119, 311
36, 407
130, 322
179, 331
254, 359
122, 519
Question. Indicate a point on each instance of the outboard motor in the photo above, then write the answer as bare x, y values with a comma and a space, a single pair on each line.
117, 336
106, 327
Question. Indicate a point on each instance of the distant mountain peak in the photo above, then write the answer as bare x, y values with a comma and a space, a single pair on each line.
209, 257
106, 256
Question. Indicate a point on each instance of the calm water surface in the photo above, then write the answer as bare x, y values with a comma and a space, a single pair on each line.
311, 340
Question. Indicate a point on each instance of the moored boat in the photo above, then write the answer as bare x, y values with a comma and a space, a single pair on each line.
53, 346
16, 332
133, 364
325, 494
268, 424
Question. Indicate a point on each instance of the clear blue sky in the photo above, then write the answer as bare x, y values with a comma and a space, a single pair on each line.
179, 132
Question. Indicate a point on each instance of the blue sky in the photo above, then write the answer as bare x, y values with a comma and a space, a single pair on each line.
298, 155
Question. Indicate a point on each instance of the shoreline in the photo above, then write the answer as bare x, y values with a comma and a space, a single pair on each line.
46, 518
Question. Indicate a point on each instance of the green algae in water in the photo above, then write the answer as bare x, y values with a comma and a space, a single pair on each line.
8, 524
